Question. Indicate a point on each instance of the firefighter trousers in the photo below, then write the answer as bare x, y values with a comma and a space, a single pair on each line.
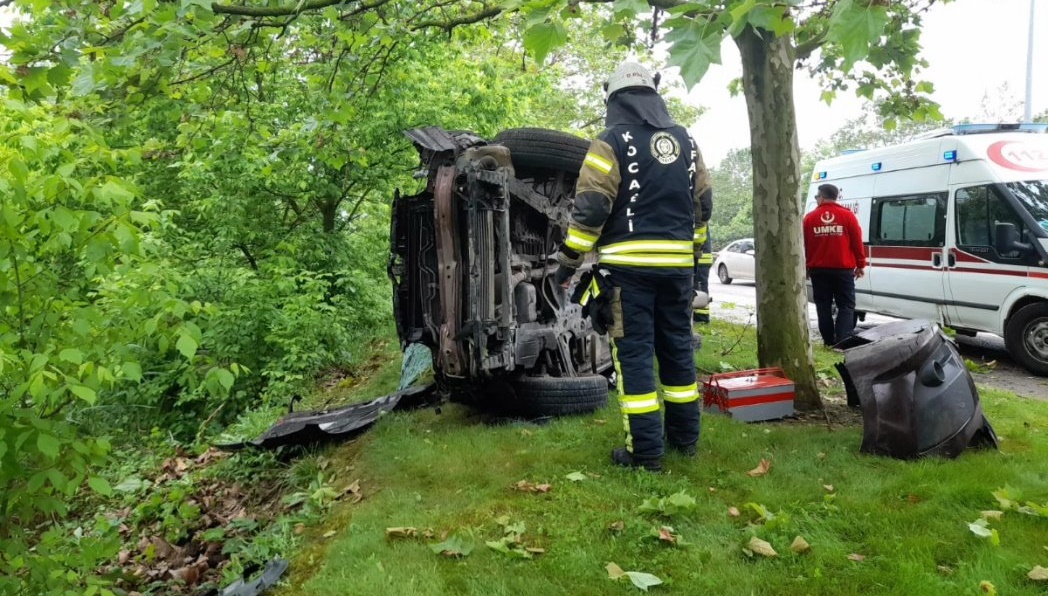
654, 311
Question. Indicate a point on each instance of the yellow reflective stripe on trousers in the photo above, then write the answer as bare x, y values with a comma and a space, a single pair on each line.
579, 240
639, 260
597, 163
648, 246
681, 395
706, 258
639, 404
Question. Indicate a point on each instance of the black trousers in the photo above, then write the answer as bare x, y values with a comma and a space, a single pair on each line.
653, 321
834, 287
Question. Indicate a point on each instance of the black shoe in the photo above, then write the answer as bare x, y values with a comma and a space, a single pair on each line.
685, 450
621, 457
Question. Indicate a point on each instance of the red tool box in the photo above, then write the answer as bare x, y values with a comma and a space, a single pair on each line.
750, 395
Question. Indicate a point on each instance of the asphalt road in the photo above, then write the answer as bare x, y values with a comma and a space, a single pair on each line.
737, 302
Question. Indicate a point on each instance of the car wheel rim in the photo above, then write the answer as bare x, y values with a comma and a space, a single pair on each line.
1036, 339
723, 273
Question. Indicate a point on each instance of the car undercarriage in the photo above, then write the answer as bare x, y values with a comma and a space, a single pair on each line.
471, 266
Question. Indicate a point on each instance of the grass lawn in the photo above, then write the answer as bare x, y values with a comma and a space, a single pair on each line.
874, 525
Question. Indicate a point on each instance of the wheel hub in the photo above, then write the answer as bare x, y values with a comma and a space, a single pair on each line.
1036, 338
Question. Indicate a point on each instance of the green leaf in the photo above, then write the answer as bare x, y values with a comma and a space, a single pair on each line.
542, 38
643, 580
48, 445
225, 378
132, 371
576, 477
85, 393
100, 485
631, 8
980, 528
71, 355
693, 48
186, 345
131, 484
454, 546
84, 83
854, 27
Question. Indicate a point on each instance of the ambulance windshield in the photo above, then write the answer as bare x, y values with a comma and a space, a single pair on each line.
1033, 194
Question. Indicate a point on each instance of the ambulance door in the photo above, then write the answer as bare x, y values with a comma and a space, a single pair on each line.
979, 278
907, 255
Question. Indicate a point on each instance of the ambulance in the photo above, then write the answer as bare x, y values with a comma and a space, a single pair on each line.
955, 225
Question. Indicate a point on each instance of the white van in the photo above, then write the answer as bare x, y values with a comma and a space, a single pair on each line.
956, 230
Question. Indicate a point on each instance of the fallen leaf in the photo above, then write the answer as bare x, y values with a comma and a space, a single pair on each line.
401, 532
530, 487
987, 587
820, 455
828, 487
1038, 574
455, 546
913, 499
762, 468
329, 533
712, 489
733, 512
535, 550
761, 547
800, 545
666, 535
643, 580
599, 421
945, 569
991, 514
525, 432
856, 557
576, 476
617, 526
593, 476
614, 571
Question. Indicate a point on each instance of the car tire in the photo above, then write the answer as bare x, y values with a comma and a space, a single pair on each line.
1026, 337
543, 149
722, 274
559, 396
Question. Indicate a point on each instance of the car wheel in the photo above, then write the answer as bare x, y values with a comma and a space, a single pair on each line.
542, 149
1026, 337
558, 396
722, 273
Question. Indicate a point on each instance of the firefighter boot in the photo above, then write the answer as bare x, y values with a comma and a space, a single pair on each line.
620, 456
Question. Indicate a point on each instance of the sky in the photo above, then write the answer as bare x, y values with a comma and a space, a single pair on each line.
973, 47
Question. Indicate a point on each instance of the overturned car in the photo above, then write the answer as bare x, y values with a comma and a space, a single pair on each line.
470, 263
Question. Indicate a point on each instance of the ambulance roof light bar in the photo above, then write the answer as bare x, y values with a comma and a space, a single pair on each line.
983, 128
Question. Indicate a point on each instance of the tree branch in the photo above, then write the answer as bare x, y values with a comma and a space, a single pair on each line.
273, 11
805, 49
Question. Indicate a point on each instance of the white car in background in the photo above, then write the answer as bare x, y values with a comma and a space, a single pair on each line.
736, 261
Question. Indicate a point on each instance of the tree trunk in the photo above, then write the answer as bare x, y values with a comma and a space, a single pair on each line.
782, 323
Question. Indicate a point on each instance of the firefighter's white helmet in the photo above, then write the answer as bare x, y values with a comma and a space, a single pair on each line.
629, 74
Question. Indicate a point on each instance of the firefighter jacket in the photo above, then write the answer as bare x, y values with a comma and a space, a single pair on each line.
643, 196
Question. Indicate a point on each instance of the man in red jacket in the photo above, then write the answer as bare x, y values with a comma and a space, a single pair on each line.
835, 258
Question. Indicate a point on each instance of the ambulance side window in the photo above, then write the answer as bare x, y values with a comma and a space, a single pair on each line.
918, 220
979, 209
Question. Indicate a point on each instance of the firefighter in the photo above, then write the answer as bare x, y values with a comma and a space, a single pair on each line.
642, 192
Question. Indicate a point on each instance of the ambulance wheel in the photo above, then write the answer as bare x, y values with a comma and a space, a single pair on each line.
542, 149
559, 396
722, 273
1026, 337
